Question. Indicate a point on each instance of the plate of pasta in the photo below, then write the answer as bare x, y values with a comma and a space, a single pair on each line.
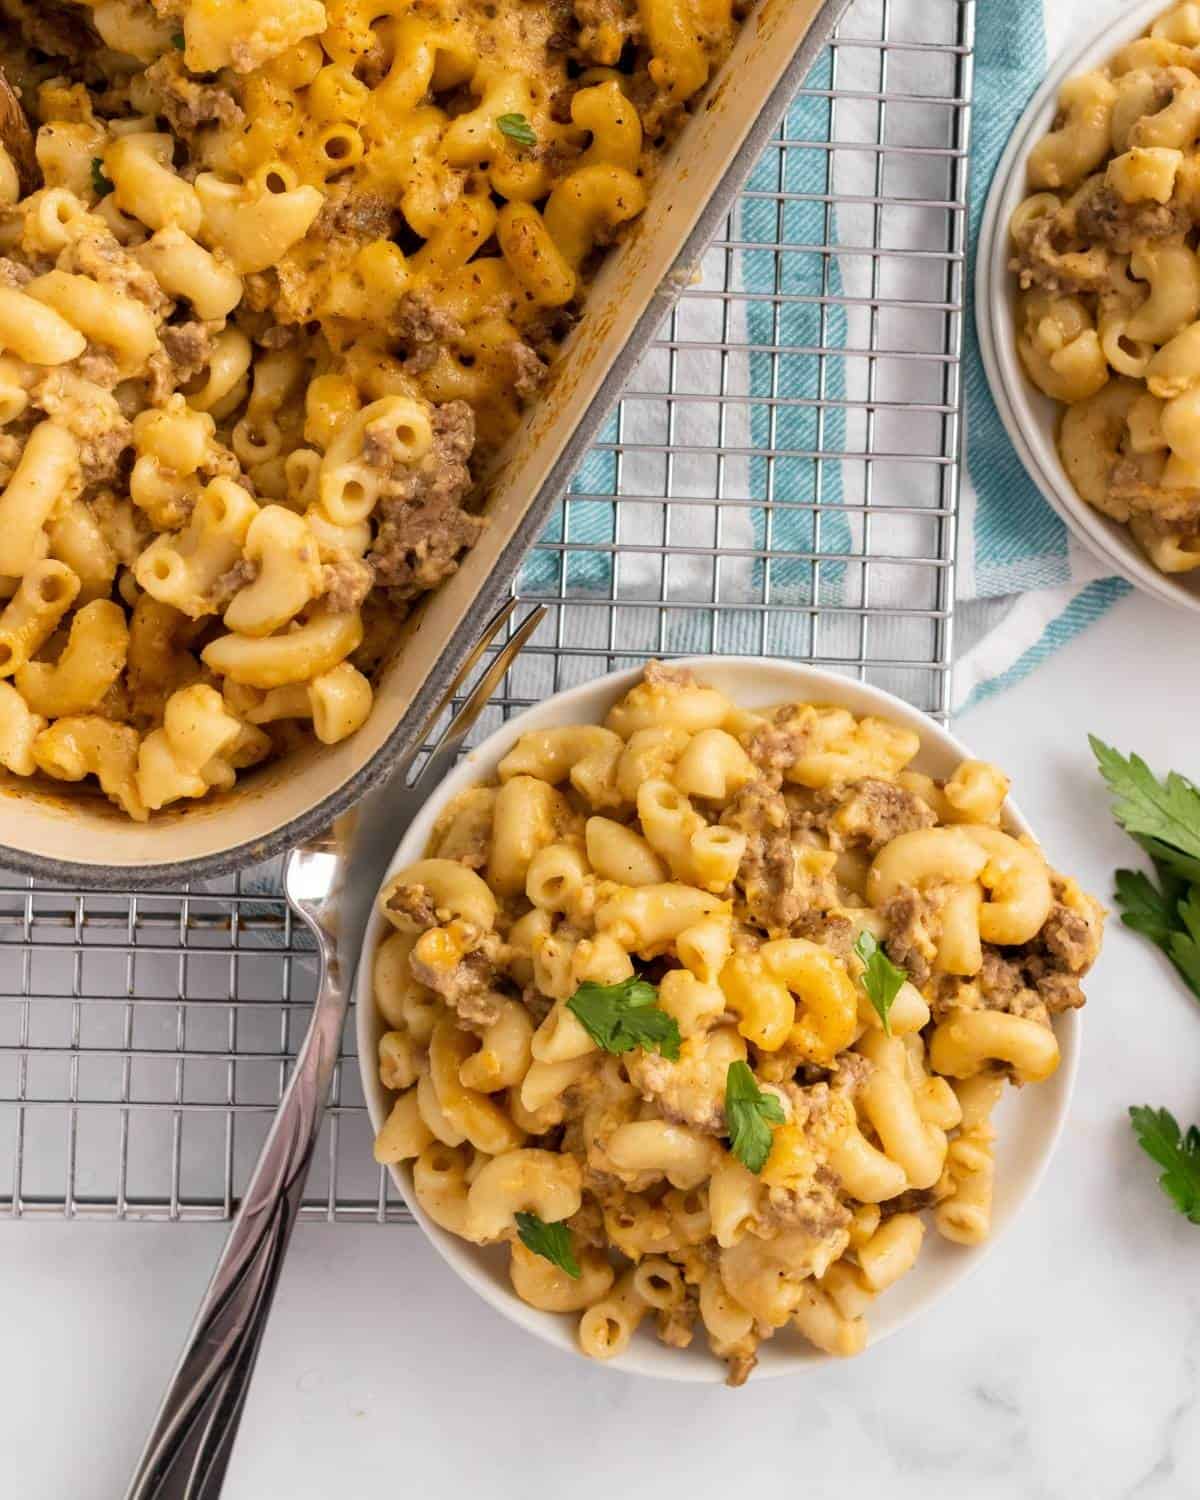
689, 1005
1087, 296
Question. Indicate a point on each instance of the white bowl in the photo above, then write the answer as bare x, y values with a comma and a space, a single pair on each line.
1028, 1120
1030, 418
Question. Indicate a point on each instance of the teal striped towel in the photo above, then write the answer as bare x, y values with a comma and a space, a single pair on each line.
1032, 585
1025, 587
797, 416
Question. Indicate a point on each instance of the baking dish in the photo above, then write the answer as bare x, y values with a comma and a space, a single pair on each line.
1028, 1120
59, 836
1031, 418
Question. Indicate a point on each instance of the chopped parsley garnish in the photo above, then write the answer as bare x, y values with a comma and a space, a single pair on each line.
881, 978
178, 41
619, 1017
749, 1115
517, 128
100, 184
551, 1241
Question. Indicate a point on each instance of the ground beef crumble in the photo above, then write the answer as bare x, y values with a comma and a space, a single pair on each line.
242, 573
813, 1207
911, 927
827, 927
93, 418
14, 274
415, 903
186, 104
422, 329
663, 674
356, 216
423, 527
604, 28
1050, 257
776, 746
189, 348
1069, 935
1104, 216
872, 813
186, 351
1037, 979
98, 366
682, 1091
348, 581
54, 29
767, 873
675, 1324
529, 373
98, 255
469, 988
560, 156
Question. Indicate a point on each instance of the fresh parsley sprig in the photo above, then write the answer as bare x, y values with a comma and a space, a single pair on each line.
1164, 818
551, 1241
1178, 1154
749, 1115
881, 978
517, 128
620, 1017
1167, 918
100, 183
178, 41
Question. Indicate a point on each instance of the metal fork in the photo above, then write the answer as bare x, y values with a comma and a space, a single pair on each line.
189, 1446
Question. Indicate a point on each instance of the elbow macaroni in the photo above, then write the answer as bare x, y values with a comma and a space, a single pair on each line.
528, 891
285, 283
1108, 314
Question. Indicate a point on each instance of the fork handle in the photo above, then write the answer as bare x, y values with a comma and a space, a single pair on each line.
188, 1449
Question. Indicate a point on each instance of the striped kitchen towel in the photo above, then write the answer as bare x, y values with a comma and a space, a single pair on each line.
789, 308
1026, 587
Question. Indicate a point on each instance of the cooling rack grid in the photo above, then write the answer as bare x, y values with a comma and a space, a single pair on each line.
809, 379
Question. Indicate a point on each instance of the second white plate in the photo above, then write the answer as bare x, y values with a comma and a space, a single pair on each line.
1030, 418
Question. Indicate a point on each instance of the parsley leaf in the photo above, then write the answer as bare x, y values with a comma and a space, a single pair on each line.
517, 128
178, 41
551, 1241
1185, 944
1163, 816
100, 184
881, 978
749, 1114
1144, 907
1179, 1155
619, 1017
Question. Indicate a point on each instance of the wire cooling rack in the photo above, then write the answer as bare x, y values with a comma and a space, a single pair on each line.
809, 379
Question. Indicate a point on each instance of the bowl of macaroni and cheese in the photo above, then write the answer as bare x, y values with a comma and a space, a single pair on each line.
1087, 297
283, 289
688, 1010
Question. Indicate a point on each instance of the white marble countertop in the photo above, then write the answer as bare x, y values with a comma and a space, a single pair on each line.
1065, 1368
